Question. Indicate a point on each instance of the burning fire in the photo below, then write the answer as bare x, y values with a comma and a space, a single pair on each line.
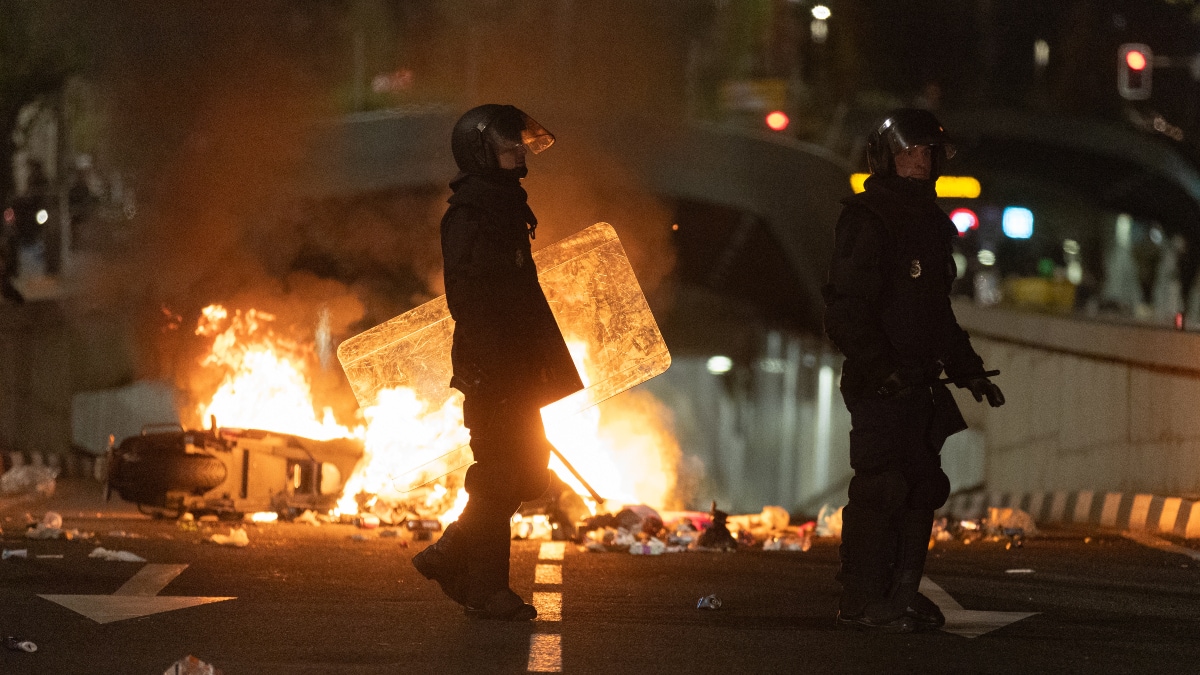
413, 450
266, 384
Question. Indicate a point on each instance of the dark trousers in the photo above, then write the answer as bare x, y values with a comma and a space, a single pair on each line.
512, 456
898, 483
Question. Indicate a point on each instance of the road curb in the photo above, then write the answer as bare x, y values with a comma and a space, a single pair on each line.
1127, 511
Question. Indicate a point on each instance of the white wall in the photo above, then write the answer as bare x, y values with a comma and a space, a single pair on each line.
1090, 405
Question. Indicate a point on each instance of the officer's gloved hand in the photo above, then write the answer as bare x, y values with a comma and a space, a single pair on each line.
981, 386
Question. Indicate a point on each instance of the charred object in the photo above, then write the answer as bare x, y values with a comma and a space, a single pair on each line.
168, 470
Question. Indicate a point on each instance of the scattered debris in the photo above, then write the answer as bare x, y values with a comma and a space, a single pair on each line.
422, 529
790, 542
190, 665
762, 525
52, 520
367, 521
389, 533
1007, 525
122, 534
28, 478
14, 553
641, 530
651, 546
236, 537
115, 556
709, 602
1022, 570
309, 517
42, 531
263, 517
49, 556
359, 537
16, 644
1008, 519
829, 521
717, 536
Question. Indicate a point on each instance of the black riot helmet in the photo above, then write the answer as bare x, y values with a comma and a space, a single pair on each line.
901, 130
481, 130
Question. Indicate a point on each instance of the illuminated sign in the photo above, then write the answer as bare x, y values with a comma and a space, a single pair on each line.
949, 187
1017, 222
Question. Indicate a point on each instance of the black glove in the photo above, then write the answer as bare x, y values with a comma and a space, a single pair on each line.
981, 386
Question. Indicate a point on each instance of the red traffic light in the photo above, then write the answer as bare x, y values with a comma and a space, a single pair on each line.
777, 120
1135, 68
964, 220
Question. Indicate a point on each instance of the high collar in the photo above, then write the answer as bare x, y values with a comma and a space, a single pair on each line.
501, 195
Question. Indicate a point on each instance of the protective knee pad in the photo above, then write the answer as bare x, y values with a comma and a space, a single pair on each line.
930, 491
884, 491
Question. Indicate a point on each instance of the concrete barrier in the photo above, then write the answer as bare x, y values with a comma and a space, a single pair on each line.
1093, 409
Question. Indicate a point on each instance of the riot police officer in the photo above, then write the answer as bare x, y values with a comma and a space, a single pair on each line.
888, 311
508, 355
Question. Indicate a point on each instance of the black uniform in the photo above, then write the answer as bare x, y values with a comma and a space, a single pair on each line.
888, 311
509, 360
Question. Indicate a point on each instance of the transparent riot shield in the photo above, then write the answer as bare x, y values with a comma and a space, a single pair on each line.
600, 310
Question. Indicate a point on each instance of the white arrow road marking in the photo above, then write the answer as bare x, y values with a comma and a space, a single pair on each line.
967, 622
137, 597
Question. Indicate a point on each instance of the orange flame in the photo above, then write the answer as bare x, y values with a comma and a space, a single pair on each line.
266, 384
626, 451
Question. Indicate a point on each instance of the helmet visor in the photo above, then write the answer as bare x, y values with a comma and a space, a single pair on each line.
511, 127
535, 136
900, 139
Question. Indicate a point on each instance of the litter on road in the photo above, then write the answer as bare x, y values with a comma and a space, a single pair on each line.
236, 537
190, 665
29, 479
709, 602
16, 644
115, 556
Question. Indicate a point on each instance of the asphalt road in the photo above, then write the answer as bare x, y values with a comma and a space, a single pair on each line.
315, 600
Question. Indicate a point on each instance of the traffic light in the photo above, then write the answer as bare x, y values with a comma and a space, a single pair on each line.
1135, 64
777, 120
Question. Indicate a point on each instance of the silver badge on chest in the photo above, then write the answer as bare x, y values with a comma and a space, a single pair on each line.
915, 270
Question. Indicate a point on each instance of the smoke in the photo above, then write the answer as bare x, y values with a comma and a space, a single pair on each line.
213, 113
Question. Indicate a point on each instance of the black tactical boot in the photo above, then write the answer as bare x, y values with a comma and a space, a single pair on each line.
502, 605
862, 608
445, 563
877, 617
925, 613
910, 565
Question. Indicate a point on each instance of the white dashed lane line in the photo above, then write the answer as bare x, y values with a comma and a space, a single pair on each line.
545, 653
552, 550
548, 574
545, 649
548, 605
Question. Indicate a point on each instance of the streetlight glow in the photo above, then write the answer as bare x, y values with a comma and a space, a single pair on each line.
821, 12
